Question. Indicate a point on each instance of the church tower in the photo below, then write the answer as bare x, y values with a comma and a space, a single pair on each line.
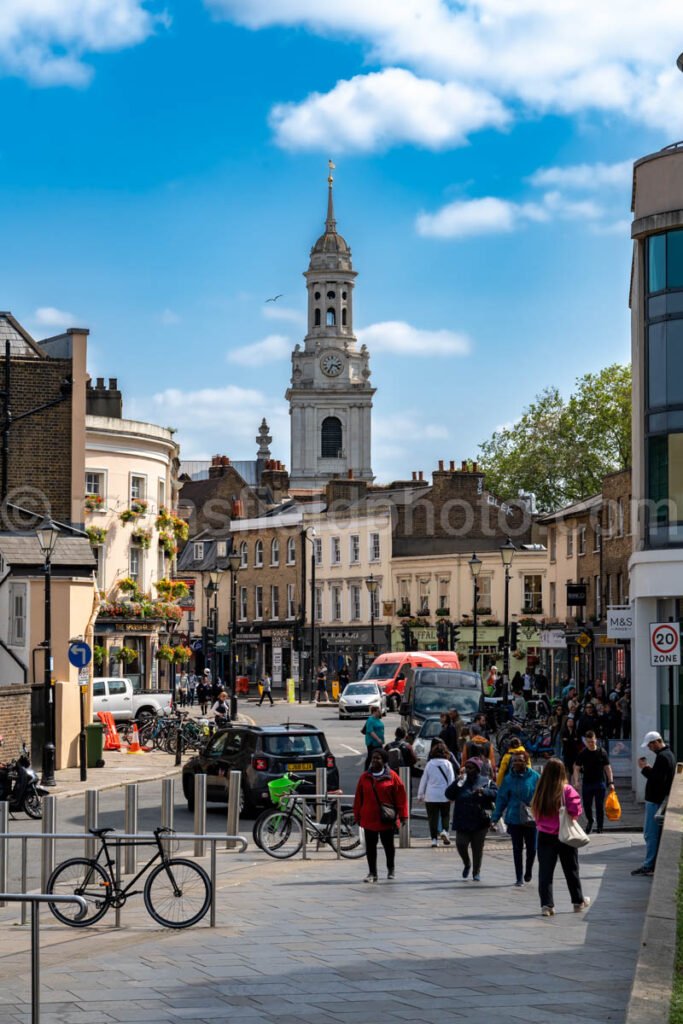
330, 397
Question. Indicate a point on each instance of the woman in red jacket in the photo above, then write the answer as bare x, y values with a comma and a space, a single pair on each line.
380, 805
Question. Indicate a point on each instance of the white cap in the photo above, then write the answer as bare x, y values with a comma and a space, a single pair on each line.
650, 737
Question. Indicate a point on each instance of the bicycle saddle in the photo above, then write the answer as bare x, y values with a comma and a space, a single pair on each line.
100, 831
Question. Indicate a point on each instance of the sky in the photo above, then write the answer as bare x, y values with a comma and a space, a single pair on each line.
163, 172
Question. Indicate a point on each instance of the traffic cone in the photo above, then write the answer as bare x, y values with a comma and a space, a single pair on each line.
134, 745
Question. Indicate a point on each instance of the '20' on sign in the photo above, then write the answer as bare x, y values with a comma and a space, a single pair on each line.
665, 643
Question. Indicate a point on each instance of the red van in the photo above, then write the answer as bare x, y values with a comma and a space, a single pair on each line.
388, 670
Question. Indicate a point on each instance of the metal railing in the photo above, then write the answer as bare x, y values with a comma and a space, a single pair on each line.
35, 899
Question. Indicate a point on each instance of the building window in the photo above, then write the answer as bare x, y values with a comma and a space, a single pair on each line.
275, 552
331, 446
570, 543
533, 599
374, 547
258, 602
161, 493
354, 548
552, 538
552, 597
443, 594
330, 318
316, 318
198, 551
221, 549
620, 517
244, 555
161, 565
336, 604
335, 551
17, 614
243, 603
318, 604
318, 550
608, 590
258, 554
423, 607
291, 551
135, 564
275, 602
598, 597
484, 584
581, 540
597, 538
404, 597
291, 597
94, 483
354, 594
137, 488
620, 588
374, 603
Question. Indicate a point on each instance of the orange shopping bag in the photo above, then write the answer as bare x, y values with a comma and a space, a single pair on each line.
612, 806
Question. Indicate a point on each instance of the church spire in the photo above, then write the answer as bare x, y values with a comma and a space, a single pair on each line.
330, 223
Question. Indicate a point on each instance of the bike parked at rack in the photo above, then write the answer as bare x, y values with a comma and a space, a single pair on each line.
279, 831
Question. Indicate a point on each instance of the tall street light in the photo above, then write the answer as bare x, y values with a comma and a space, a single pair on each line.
234, 562
475, 568
47, 534
372, 584
215, 576
307, 533
507, 553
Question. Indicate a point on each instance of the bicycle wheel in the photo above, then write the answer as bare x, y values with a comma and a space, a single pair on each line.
281, 834
177, 893
146, 736
351, 838
80, 877
257, 826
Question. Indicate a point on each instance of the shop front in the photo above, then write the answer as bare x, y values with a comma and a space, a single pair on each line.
276, 654
248, 654
349, 648
130, 647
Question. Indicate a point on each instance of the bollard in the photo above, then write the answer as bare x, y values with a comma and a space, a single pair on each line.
47, 853
199, 813
404, 831
24, 874
130, 827
234, 786
92, 813
4, 843
320, 787
167, 806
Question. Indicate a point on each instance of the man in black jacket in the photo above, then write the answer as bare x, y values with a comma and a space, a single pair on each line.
659, 777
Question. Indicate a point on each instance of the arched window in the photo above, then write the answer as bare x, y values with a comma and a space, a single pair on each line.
317, 318
291, 551
344, 317
258, 553
275, 552
331, 438
244, 555
331, 318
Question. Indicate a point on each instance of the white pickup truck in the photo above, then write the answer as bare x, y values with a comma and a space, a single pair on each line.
118, 697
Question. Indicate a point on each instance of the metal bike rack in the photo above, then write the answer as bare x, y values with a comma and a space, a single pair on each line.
35, 899
318, 797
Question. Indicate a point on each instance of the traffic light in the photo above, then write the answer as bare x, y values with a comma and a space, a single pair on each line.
442, 635
454, 635
514, 635
323, 645
413, 641
406, 636
501, 643
209, 638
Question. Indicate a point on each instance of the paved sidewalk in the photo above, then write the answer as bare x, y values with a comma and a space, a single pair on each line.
119, 768
306, 942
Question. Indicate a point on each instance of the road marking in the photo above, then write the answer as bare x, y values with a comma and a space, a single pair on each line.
352, 749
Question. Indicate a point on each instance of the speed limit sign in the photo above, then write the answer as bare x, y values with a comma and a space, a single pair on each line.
665, 643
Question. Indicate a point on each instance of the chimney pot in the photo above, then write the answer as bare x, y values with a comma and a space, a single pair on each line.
350, 474
113, 384
100, 382
463, 466
475, 467
452, 467
414, 475
440, 465
421, 476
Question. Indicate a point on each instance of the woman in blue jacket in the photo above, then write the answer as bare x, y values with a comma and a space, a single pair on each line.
513, 803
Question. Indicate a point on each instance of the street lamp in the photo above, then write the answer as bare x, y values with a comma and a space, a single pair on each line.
475, 568
47, 534
234, 563
215, 576
507, 553
372, 584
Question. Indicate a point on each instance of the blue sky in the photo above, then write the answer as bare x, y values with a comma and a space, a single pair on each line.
163, 169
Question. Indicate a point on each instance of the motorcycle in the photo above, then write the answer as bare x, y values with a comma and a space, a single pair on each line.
19, 785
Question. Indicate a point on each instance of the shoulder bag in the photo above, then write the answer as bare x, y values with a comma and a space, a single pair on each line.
571, 833
387, 812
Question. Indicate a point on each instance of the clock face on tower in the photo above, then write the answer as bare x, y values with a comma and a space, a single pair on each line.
332, 364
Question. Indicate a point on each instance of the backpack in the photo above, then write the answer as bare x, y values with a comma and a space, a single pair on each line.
394, 757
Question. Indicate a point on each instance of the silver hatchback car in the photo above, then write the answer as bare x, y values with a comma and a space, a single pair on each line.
358, 698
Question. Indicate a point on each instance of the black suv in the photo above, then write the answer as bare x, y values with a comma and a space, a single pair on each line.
261, 753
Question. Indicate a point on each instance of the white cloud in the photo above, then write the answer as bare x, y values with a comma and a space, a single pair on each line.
50, 316
275, 346
490, 215
44, 40
400, 338
584, 177
386, 108
274, 311
567, 56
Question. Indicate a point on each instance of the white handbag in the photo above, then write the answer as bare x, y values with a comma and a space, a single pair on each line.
571, 832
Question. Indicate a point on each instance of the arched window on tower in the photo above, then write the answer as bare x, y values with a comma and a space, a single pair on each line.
344, 317
317, 318
331, 318
331, 438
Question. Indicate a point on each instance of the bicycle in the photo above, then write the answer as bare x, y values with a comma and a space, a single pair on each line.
177, 893
279, 831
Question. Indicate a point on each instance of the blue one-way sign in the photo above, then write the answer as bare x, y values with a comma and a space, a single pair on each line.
80, 653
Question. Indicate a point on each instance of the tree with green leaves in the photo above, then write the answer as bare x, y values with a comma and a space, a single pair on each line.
560, 450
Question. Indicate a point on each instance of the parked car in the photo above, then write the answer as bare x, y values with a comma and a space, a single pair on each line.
260, 753
124, 703
358, 698
430, 728
389, 670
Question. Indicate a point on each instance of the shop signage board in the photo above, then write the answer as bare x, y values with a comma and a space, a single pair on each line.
553, 639
620, 622
277, 665
576, 594
665, 643
295, 666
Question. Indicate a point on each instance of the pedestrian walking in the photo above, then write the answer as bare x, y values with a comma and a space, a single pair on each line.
266, 689
570, 745
436, 777
660, 777
399, 752
203, 691
479, 746
321, 684
379, 807
373, 730
191, 688
596, 771
552, 793
516, 747
221, 710
513, 804
474, 794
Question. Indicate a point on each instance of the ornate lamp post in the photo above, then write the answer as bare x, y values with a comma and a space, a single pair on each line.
234, 562
372, 584
475, 568
47, 534
507, 553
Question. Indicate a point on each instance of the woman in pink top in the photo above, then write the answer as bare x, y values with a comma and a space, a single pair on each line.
551, 792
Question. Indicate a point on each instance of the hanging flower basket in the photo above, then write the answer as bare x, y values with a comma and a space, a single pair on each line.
99, 653
143, 538
443, 611
404, 611
96, 535
167, 544
93, 502
182, 654
139, 506
181, 529
164, 520
172, 590
165, 653
126, 655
